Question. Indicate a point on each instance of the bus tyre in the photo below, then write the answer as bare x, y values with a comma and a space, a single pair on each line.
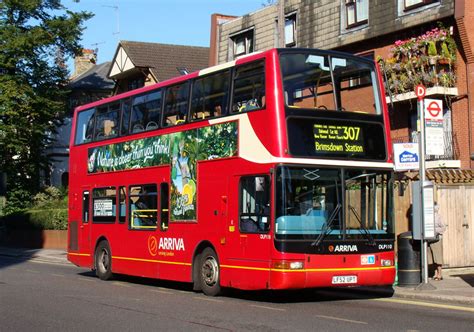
210, 273
103, 261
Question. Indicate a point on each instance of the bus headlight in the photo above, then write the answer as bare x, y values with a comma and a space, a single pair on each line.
288, 265
386, 262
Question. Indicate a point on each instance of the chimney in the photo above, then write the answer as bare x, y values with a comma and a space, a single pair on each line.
84, 62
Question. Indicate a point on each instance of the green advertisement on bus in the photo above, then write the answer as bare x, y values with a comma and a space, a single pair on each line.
180, 150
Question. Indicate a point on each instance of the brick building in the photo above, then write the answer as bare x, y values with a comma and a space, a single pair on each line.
372, 28
415, 41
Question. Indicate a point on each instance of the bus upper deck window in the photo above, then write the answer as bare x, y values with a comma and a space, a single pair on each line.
85, 126
146, 110
210, 95
176, 104
249, 87
107, 121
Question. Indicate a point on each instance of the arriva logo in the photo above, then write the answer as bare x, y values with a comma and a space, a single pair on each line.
167, 243
345, 248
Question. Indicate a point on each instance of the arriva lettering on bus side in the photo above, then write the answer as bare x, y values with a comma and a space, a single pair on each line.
171, 244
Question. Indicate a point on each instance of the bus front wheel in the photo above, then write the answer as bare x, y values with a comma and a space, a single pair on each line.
103, 261
210, 273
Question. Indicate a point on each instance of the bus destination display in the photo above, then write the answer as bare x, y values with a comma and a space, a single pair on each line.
338, 139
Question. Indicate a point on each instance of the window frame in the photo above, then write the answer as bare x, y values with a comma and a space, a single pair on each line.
104, 219
421, 3
106, 110
224, 108
354, 4
243, 108
83, 140
165, 115
266, 205
292, 17
156, 211
86, 202
248, 37
147, 99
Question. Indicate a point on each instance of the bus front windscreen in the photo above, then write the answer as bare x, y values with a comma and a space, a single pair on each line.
320, 81
333, 203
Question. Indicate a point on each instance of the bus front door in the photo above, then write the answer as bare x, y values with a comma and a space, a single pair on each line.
249, 236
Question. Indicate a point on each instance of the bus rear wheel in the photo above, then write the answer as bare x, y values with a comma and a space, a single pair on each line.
210, 273
103, 261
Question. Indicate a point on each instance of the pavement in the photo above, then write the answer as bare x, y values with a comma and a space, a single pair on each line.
457, 286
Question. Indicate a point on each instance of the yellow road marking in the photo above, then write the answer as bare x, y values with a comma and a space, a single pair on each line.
207, 299
161, 291
342, 319
57, 275
268, 308
121, 284
426, 304
32, 271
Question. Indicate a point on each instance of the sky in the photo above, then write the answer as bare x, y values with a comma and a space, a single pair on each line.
179, 22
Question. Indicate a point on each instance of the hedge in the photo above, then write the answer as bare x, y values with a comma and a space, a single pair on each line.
42, 219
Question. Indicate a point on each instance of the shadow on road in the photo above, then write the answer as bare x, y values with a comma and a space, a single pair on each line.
467, 278
268, 296
11, 259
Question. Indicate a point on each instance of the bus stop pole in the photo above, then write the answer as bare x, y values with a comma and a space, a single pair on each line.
422, 178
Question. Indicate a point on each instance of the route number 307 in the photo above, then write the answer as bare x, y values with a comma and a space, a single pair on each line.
351, 133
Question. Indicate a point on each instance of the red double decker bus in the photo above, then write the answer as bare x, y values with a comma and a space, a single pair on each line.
273, 171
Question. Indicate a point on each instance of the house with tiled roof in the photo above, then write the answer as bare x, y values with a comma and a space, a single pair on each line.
138, 64
88, 83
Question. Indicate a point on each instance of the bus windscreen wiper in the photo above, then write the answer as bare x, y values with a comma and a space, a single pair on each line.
328, 225
370, 238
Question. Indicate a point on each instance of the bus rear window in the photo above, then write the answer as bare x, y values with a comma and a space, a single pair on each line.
85, 126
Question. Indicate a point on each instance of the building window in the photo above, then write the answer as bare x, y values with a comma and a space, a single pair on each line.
412, 4
357, 12
136, 83
242, 43
290, 30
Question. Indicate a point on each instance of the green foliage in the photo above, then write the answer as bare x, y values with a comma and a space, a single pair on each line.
35, 35
428, 59
18, 201
432, 48
49, 210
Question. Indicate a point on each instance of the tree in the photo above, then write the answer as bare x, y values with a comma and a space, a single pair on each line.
35, 35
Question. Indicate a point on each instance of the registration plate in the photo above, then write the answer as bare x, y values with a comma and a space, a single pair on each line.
337, 280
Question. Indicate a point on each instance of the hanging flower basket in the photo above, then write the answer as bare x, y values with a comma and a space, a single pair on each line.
426, 59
